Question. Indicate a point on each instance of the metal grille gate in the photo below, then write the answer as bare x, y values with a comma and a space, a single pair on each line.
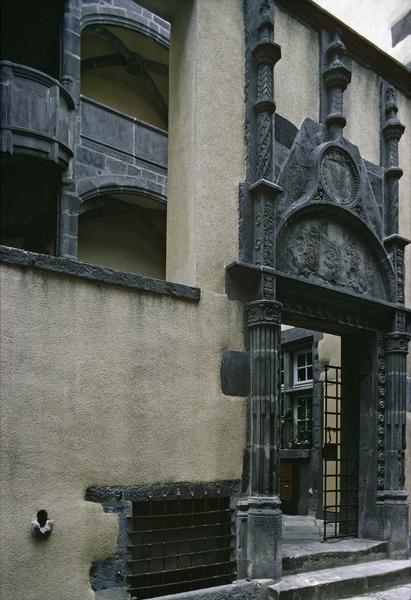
340, 461
179, 545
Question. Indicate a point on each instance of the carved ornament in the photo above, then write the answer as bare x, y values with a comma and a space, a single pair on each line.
264, 312
321, 250
396, 342
327, 313
339, 175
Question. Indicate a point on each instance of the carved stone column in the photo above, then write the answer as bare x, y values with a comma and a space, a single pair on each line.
70, 78
392, 130
336, 77
261, 556
391, 494
259, 519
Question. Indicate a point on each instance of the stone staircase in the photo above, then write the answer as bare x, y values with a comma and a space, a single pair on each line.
343, 568
349, 581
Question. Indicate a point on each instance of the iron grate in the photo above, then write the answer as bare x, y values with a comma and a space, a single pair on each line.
340, 462
180, 544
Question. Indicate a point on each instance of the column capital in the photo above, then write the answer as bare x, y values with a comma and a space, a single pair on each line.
267, 51
264, 312
396, 342
396, 242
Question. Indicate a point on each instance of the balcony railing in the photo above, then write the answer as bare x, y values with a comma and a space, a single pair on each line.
35, 116
123, 137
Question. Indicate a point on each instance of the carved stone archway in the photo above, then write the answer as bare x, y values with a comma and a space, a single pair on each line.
317, 250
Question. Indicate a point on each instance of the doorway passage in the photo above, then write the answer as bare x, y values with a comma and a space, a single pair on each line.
319, 435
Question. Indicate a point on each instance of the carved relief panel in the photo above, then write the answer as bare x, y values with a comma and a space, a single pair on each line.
323, 250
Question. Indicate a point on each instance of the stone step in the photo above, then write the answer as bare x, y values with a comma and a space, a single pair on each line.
402, 592
312, 556
342, 582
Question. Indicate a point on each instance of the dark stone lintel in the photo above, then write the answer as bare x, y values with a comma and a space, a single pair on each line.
242, 280
67, 266
184, 489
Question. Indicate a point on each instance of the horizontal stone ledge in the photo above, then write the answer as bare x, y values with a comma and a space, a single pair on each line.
159, 491
71, 267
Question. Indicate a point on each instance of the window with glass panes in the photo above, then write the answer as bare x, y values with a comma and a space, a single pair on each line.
303, 418
303, 366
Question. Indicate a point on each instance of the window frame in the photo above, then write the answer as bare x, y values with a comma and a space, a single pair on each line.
306, 366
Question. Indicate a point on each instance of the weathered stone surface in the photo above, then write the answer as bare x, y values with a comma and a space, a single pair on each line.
342, 582
325, 251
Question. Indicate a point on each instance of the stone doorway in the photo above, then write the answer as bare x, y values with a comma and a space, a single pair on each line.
319, 449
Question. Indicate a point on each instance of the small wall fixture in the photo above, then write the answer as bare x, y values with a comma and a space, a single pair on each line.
42, 526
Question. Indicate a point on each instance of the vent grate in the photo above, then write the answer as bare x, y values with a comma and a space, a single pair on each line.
180, 544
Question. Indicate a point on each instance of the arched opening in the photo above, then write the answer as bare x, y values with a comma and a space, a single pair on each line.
126, 232
127, 71
29, 203
28, 38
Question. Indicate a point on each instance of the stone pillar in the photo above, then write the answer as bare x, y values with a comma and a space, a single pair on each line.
66, 244
259, 520
260, 547
391, 494
392, 130
393, 497
336, 77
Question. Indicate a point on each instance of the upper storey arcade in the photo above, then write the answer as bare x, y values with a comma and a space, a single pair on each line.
83, 134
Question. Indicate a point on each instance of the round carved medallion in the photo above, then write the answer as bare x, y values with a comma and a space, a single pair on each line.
339, 175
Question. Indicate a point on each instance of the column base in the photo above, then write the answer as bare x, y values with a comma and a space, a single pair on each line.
394, 516
259, 532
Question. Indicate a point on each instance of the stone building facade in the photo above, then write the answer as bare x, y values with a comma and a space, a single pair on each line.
173, 199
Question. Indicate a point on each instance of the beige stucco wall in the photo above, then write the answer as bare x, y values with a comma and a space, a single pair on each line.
206, 141
103, 386
296, 75
362, 111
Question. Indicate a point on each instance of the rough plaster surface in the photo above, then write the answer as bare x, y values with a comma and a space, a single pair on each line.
103, 386
298, 69
206, 142
362, 111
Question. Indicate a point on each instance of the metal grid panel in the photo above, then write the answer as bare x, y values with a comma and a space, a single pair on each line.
340, 463
179, 544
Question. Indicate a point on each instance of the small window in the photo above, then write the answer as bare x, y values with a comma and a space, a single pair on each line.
177, 545
282, 370
303, 366
303, 420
